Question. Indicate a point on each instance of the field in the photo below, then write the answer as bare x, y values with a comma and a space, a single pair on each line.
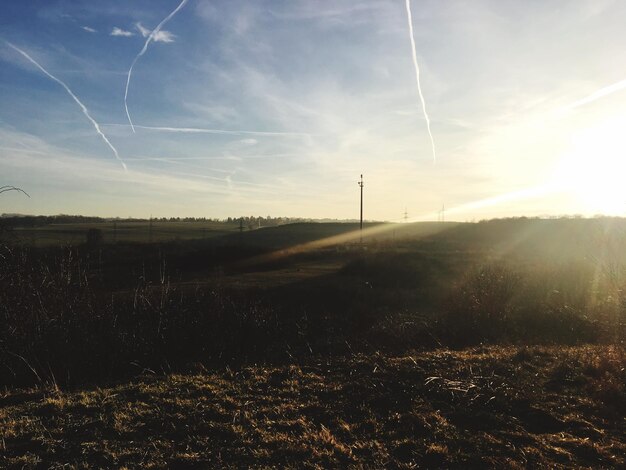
113, 232
489, 345
481, 408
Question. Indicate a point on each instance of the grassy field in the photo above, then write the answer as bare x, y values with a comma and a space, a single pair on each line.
157, 231
112, 232
486, 345
491, 407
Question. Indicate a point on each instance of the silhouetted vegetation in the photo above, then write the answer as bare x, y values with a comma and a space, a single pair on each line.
79, 314
360, 340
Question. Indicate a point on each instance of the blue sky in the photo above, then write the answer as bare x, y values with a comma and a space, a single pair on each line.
277, 107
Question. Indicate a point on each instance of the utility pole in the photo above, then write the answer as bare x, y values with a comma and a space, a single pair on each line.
406, 216
443, 213
150, 229
361, 224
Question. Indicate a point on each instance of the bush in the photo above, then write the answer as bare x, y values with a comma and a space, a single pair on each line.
480, 309
56, 326
498, 302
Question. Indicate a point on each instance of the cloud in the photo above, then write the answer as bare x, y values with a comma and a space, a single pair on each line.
83, 170
89, 30
159, 36
120, 32
164, 36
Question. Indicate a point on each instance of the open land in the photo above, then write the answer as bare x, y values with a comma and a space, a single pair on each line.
488, 345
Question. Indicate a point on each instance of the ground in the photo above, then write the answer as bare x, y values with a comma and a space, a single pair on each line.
488, 345
486, 407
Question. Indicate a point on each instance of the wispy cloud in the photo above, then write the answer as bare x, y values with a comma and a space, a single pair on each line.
164, 36
121, 32
160, 36
94, 173
151, 37
82, 106
89, 30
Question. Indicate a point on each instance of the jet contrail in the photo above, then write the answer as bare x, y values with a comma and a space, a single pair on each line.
417, 77
82, 106
200, 130
150, 38
602, 92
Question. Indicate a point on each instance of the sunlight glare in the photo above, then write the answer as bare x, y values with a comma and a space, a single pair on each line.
594, 170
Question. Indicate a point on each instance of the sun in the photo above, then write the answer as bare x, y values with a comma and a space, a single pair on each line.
593, 171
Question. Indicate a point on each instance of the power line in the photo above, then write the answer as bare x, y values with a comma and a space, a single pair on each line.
361, 224
441, 214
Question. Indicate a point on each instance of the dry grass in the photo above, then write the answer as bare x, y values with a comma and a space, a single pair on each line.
484, 407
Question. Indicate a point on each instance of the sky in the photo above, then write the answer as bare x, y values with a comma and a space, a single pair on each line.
277, 107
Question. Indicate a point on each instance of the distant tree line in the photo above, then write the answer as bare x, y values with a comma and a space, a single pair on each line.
10, 220
249, 222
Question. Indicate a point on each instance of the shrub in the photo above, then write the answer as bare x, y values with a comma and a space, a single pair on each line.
480, 308
546, 303
56, 326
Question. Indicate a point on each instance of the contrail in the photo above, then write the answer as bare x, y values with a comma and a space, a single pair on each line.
150, 38
417, 77
200, 130
209, 158
82, 106
602, 92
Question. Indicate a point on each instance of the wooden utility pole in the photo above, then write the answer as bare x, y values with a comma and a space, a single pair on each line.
361, 224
